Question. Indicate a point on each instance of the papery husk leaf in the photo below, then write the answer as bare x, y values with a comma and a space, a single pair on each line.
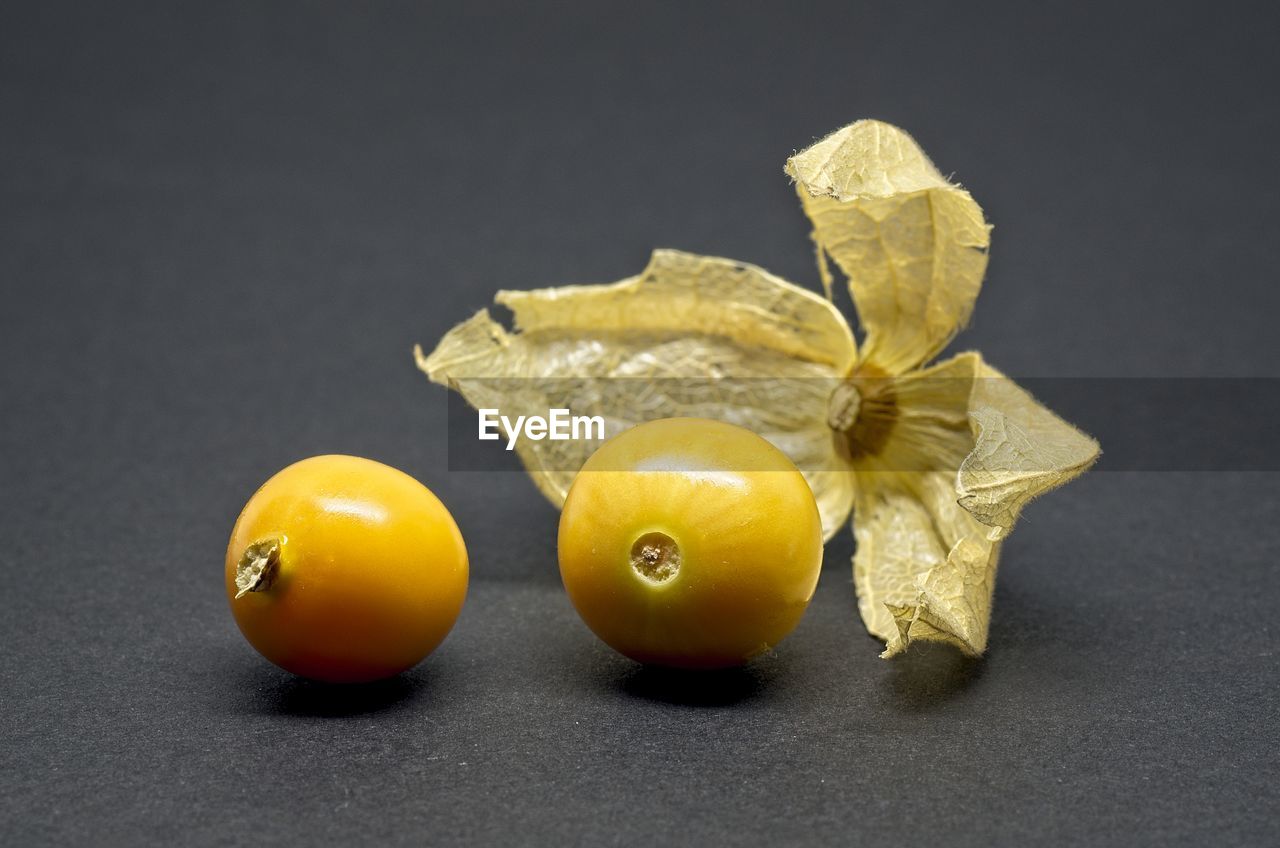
697, 295
1022, 450
690, 336
924, 568
968, 450
912, 245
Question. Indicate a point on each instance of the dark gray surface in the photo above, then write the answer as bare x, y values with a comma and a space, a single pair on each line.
222, 230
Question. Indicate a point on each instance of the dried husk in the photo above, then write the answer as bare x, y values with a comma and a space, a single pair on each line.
936, 462
660, 344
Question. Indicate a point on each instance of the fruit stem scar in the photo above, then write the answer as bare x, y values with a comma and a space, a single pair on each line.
655, 557
257, 568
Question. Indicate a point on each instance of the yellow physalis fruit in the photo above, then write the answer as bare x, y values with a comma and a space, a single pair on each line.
935, 460
345, 570
690, 543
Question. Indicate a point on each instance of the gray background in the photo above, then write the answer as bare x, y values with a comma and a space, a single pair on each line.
223, 228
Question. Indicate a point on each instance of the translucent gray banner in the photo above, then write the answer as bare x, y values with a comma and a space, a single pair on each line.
1143, 424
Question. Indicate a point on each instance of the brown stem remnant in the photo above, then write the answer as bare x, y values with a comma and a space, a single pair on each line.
258, 566
862, 411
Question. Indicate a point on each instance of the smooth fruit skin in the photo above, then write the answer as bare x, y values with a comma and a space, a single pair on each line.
372, 571
742, 517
